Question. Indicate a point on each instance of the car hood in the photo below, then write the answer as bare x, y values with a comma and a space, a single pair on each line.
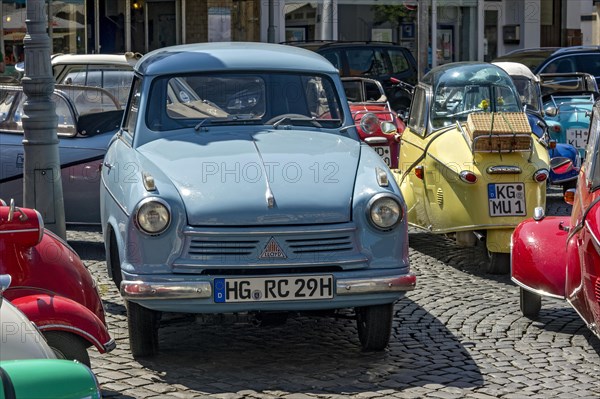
269, 177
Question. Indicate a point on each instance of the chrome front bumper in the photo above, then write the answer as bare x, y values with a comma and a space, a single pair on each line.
139, 289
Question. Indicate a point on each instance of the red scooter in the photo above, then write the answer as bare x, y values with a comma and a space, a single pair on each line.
51, 285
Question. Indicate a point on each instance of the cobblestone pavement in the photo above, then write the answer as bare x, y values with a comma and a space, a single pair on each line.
459, 334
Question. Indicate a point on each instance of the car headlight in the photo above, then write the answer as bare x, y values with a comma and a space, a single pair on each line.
384, 211
153, 216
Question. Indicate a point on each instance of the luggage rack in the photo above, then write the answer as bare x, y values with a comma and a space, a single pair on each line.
498, 133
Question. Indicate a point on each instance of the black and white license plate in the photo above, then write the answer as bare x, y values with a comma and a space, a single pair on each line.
507, 199
577, 138
263, 289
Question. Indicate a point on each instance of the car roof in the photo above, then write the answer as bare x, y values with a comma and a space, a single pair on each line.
189, 58
535, 56
516, 69
128, 58
316, 45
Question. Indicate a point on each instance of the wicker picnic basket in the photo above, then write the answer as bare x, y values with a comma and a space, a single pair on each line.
499, 131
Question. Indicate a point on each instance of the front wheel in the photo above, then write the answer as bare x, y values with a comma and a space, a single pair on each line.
530, 303
68, 346
374, 326
143, 330
498, 263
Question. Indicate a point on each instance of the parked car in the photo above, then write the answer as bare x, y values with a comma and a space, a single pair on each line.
558, 59
370, 107
29, 367
568, 100
251, 199
87, 119
51, 285
564, 157
558, 256
112, 72
470, 164
382, 61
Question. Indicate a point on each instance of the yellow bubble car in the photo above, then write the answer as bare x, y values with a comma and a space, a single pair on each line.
469, 164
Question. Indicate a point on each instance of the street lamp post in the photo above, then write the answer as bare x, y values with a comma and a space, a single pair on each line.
42, 185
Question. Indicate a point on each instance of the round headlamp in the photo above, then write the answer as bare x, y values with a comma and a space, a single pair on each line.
384, 212
153, 216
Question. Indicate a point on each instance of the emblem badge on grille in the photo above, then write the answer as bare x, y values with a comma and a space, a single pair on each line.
272, 250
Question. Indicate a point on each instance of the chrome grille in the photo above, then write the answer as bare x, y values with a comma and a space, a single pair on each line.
314, 245
203, 247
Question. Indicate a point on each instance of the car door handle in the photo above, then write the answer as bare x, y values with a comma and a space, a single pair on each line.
107, 165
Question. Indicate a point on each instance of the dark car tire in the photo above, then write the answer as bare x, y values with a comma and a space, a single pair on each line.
143, 330
530, 303
374, 325
114, 262
498, 263
68, 346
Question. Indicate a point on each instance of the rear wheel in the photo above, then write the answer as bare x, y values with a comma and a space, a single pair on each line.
68, 346
498, 263
530, 303
143, 330
374, 325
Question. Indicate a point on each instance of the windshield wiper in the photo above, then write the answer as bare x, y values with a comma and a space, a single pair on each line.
229, 120
291, 119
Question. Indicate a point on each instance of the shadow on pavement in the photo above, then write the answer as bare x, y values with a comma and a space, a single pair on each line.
313, 355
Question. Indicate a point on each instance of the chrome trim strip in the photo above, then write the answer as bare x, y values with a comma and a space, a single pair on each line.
20, 231
165, 290
265, 265
503, 169
595, 239
539, 292
403, 282
467, 228
269, 196
190, 231
63, 327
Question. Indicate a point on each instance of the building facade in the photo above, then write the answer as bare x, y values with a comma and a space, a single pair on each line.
458, 30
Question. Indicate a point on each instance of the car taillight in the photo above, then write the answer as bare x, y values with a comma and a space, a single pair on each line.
556, 128
540, 175
419, 172
552, 144
468, 177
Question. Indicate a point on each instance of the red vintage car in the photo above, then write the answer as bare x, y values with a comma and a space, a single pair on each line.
51, 286
370, 107
559, 256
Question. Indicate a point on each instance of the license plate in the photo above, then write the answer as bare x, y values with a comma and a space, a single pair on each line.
577, 137
264, 289
384, 153
507, 199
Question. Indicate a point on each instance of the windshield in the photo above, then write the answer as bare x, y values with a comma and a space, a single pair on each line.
272, 98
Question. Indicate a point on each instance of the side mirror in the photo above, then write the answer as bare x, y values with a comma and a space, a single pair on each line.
551, 111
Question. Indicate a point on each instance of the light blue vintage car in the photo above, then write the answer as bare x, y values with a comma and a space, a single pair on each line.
568, 100
238, 184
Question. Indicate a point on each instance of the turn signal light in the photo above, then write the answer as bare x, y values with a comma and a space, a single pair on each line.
419, 172
541, 175
552, 144
468, 177
569, 196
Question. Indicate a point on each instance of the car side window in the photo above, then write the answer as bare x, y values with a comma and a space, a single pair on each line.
416, 118
334, 58
399, 61
588, 63
591, 164
560, 65
134, 107
366, 62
